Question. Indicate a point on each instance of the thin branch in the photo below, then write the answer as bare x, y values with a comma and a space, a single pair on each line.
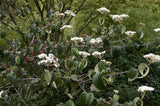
77, 10
39, 8
82, 87
21, 97
17, 30
118, 73
85, 25
30, 9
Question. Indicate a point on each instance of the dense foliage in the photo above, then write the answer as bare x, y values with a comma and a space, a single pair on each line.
44, 61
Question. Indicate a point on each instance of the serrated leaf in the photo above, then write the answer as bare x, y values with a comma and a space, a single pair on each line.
143, 69
132, 74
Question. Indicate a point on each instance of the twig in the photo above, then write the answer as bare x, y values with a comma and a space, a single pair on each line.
118, 73
21, 97
82, 87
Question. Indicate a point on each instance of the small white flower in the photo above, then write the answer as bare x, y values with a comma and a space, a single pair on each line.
98, 54
99, 40
156, 30
75, 39
152, 58
42, 62
124, 15
60, 14
118, 18
103, 10
69, 12
84, 54
107, 62
42, 55
95, 41
145, 88
130, 33
92, 41
48, 32
1, 92
66, 26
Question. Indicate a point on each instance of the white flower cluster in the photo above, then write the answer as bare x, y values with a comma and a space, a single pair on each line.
77, 39
119, 18
102, 10
98, 54
145, 88
66, 26
107, 62
156, 30
84, 54
95, 41
130, 33
152, 58
48, 60
69, 12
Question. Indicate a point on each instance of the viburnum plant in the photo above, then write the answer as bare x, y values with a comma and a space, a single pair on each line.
68, 73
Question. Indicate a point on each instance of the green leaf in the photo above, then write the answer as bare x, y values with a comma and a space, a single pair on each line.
83, 99
123, 29
69, 103
91, 73
139, 33
98, 82
54, 27
69, 64
116, 97
116, 51
143, 69
82, 64
74, 77
132, 74
129, 104
11, 77
74, 52
101, 66
136, 100
96, 69
17, 59
47, 76
90, 99
105, 43
3, 34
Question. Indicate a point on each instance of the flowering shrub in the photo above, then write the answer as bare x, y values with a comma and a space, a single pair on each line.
71, 72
